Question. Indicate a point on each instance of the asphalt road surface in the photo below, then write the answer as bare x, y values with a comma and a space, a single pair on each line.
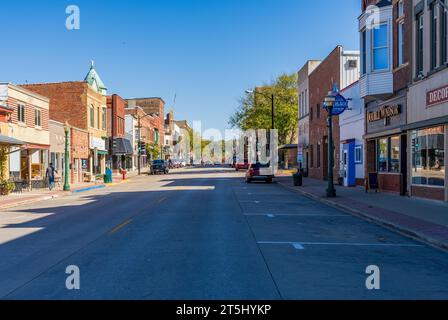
205, 234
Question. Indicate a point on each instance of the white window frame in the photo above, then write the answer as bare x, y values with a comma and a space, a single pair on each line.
400, 8
21, 113
38, 117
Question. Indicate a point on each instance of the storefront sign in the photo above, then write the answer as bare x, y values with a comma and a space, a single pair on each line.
437, 96
383, 113
97, 143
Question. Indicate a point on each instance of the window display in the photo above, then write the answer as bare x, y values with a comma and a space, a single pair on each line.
428, 156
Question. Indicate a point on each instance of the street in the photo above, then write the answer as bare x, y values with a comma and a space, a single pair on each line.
202, 233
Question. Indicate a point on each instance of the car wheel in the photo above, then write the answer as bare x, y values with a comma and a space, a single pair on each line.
269, 180
248, 181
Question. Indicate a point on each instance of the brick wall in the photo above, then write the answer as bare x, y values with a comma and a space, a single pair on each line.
403, 73
320, 83
68, 101
116, 113
428, 193
29, 114
79, 143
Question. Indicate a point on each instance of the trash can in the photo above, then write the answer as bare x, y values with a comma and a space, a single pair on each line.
298, 179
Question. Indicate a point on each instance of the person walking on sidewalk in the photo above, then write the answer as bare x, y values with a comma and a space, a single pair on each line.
50, 176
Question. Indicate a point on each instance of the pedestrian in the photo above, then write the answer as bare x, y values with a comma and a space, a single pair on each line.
50, 176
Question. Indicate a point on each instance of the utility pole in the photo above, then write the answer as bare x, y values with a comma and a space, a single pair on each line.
139, 144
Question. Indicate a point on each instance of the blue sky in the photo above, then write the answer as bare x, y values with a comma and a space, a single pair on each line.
205, 51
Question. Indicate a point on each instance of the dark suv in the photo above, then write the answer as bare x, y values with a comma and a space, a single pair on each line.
159, 166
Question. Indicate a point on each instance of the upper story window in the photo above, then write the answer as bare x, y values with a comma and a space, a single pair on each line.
401, 43
103, 118
443, 33
419, 45
92, 117
38, 118
21, 113
380, 47
98, 118
300, 106
434, 35
400, 8
306, 101
364, 52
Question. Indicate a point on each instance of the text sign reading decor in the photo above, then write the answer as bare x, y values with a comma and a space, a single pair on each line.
383, 113
437, 96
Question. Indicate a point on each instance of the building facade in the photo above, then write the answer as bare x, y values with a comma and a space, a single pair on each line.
351, 124
427, 116
25, 117
303, 153
385, 37
120, 147
340, 68
83, 104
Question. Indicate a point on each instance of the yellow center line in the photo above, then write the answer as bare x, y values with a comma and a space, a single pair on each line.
120, 226
161, 199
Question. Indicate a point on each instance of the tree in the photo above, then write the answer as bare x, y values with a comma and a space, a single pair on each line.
254, 110
153, 149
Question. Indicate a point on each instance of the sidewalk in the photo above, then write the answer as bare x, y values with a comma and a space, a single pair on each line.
25, 198
426, 220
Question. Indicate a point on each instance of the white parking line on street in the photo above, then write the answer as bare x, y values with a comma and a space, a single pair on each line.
298, 246
341, 244
298, 215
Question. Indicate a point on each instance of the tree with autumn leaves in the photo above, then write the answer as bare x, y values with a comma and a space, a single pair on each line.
254, 110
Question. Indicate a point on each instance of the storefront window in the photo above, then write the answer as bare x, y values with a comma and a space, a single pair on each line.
389, 154
382, 155
394, 160
428, 156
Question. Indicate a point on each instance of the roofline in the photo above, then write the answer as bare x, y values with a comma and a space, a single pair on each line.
350, 86
27, 91
146, 98
51, 83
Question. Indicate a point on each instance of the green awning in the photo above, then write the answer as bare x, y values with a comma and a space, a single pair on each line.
102, 152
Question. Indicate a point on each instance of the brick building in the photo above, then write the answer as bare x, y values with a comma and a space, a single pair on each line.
339, 68
156, 108
120, 147
385, 76
25, 117
83, 105
142, 127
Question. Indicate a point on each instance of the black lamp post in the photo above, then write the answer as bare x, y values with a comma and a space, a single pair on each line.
66, 158
329, 103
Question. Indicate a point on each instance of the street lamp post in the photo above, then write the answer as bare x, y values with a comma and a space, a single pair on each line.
66, 173
329, 102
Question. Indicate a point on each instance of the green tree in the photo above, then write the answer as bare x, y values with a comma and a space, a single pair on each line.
254, 110
153, 149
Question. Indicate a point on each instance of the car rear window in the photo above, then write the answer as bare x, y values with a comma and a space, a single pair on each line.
158, 162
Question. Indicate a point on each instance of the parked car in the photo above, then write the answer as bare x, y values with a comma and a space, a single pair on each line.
241, 166
159, 166
258, 171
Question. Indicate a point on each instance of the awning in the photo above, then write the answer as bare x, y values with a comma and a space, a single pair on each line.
122, 147
10, 141
102, 152
34, 146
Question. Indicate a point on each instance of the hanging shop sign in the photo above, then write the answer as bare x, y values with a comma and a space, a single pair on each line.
384, 113
437, 96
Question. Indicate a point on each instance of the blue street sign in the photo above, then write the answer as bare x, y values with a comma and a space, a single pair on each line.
340, 104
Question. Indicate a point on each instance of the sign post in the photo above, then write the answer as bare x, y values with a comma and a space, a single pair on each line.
335, 104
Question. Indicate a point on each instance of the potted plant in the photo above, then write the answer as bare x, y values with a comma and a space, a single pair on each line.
6, 187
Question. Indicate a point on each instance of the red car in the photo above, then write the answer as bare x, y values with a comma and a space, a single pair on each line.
241, 166
258, 171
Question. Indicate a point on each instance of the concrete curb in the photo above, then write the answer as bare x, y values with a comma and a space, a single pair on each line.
384, 223
29, 201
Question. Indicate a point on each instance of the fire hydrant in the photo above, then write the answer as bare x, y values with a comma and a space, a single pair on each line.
123, 173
